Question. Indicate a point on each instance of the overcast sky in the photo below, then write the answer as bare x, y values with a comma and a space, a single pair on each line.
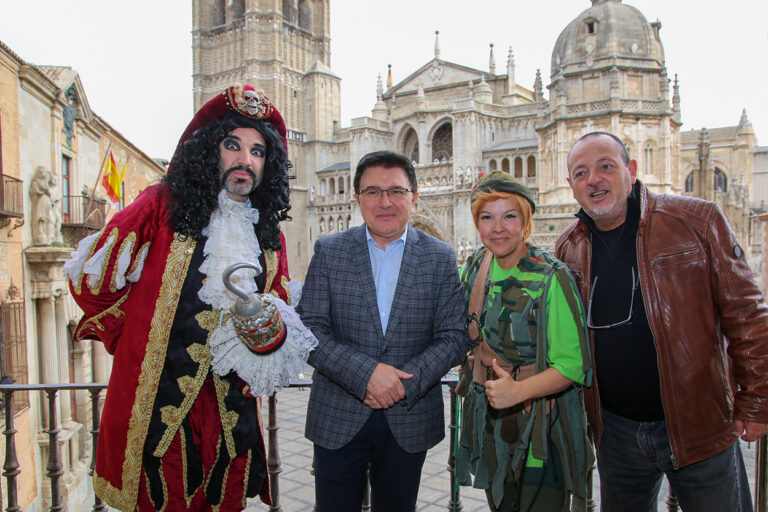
135, 58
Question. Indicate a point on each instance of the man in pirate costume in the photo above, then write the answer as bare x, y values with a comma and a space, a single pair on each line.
181, 427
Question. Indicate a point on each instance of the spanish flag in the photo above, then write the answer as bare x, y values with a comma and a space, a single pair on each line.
112, 179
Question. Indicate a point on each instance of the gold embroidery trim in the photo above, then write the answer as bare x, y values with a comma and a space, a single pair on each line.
184, 466
207, 479
137, 258
77, 285
165, 488
172, 415
284, 284
94, 322
131, 238
176, 268
247, 475
270, 258
95, 288
228, 418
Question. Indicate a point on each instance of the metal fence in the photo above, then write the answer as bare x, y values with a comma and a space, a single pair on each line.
54, 467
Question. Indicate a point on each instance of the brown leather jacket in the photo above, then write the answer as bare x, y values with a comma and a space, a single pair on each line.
702, 301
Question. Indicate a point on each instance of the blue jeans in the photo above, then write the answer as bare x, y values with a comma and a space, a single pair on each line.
633, 456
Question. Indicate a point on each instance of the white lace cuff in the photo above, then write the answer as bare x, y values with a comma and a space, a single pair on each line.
265, 374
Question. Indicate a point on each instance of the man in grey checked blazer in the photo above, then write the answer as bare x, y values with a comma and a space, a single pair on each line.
386, 337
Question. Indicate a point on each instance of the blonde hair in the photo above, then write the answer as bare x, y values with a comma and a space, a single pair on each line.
521, 203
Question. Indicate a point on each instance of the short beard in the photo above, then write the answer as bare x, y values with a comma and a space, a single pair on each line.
238, 188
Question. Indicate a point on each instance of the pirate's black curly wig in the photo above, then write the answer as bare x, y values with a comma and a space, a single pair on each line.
194, 180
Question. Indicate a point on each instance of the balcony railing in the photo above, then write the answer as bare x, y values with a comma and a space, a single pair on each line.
11, 196
54, 468
83, 212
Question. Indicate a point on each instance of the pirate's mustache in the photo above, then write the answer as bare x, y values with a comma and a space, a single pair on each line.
238, 167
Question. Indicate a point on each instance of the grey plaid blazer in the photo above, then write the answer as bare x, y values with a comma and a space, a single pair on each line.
426, 336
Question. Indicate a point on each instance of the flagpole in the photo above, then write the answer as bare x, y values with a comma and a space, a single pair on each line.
110, 205
101, 169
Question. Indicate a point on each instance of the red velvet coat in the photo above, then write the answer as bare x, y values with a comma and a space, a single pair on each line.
133, 322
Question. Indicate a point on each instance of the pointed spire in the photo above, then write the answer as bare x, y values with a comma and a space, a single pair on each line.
538, 87
380, 109
744, 119
437, 44
389, 76
510, 72
744, 124
492, 62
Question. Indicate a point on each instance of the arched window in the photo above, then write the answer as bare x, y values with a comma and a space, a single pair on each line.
648, 159
531, 166
218, 16
505, 164
305, 15
332, 183
238, 9
323, 187
341, 184
411, 145
689, 182
442, 143
289, 11
492, 165
721, 180
518, 167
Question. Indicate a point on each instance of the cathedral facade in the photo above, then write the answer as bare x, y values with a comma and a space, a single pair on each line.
455, 122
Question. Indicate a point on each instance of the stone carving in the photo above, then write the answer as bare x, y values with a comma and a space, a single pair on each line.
69, 113
46, 208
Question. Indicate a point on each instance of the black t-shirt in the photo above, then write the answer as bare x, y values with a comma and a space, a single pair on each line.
625, 356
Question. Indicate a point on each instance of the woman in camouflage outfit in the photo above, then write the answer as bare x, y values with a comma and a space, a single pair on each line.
523, 435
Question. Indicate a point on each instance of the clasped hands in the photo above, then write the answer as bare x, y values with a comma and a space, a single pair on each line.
385, 388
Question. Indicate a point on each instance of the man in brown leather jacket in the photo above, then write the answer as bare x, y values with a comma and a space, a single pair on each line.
679, 331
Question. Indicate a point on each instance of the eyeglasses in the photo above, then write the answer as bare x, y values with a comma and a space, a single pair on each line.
374, 194
628, 321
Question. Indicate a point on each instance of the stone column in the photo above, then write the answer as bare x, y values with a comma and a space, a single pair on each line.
62, 347
48, 286
46, 336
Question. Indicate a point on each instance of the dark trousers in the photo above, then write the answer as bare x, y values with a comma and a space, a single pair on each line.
395, 474
633, 456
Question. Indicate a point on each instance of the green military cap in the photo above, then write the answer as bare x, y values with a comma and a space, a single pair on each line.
501, 181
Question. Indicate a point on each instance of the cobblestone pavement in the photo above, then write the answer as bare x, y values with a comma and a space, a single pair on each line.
296, 481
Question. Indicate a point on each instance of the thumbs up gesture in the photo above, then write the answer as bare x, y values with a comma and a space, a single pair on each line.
505, 391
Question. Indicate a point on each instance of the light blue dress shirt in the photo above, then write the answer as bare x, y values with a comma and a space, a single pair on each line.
385, 264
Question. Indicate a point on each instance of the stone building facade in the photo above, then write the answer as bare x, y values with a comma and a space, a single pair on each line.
607, 73
52, 151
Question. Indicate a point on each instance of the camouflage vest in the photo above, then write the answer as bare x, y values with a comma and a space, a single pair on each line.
514, 323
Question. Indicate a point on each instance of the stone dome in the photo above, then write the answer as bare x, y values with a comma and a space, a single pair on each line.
608, 30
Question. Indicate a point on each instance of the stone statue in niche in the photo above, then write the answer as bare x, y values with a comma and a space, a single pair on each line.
46, 208
69, 113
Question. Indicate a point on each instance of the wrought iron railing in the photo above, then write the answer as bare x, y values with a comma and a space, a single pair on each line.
83, 211
55, 471
11, 196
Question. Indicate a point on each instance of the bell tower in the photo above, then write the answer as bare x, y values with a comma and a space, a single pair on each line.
274, 45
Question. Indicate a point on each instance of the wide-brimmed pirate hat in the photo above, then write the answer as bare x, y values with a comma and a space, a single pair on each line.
242, 99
